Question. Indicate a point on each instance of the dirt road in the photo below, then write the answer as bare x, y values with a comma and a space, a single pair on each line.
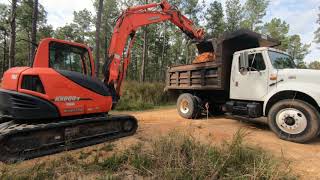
304, 158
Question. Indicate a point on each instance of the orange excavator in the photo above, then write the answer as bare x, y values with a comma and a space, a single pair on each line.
58, 104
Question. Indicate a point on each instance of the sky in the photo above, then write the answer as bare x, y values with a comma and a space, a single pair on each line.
300, 14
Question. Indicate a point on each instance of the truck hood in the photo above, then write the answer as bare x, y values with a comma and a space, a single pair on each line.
301, 75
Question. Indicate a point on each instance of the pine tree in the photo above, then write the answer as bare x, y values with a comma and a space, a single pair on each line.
315, 65
317, 33
144, 52
110, 13
12, 50
298, 50
4, 30
83, 22
254, 11
278, 30
34, 30
68, 32
97, 38
234, 15
215, 19
24, 18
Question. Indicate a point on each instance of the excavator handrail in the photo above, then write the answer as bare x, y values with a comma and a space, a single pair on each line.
127, 24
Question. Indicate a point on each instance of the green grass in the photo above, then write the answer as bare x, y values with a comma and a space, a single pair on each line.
141, 96
175, 156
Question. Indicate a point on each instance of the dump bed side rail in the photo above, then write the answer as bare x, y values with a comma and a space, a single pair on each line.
203, 76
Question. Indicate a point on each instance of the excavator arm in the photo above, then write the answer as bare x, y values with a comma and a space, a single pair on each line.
126, 26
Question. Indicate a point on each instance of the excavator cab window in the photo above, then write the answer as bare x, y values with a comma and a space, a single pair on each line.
70, 58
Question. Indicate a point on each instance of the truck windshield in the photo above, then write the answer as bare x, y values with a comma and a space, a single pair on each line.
281, 61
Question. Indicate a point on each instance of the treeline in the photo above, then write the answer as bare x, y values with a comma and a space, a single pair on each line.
157, 46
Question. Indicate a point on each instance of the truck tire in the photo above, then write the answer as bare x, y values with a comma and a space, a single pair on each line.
294, 120
187, 106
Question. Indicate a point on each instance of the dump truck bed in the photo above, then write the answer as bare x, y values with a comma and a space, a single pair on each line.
203, 76
215, 75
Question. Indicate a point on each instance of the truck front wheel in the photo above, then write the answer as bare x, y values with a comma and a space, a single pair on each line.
294, 120
187, 106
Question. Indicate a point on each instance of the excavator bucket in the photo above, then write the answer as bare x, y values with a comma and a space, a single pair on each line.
206, 52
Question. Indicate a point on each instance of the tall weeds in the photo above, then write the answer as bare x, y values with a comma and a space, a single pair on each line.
141, 96
179, 156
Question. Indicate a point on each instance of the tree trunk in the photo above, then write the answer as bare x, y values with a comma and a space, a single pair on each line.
144, 53
162, 53
97, 36
12, 49
187, 52
34, 31
4, 53
28, 61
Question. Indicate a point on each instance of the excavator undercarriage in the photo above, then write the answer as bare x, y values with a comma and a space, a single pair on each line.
21, 141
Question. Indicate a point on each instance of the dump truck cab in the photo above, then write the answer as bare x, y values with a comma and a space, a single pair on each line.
271, 72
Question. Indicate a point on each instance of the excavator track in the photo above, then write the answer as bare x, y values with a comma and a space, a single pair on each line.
20, 142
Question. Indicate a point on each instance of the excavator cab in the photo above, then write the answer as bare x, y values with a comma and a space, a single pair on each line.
71, 58
61, 83
65, 55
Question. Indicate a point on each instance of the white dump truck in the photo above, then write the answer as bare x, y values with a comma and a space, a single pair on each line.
249, 78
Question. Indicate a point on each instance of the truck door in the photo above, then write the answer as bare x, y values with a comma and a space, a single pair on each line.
249, 82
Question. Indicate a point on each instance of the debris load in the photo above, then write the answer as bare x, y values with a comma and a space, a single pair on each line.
205, 57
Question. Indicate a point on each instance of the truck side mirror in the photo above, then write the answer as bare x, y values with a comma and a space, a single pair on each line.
244, 61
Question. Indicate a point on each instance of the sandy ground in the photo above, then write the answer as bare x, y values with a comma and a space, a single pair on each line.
304, 158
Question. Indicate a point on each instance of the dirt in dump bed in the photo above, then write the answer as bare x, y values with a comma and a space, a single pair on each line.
204, 57
305, 158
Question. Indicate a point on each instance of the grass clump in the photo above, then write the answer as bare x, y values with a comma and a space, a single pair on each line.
108, 147
114, 162
142, 96
43, 170
180, 156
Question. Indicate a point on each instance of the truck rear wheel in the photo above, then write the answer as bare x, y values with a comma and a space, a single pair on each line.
187, 106
294, 120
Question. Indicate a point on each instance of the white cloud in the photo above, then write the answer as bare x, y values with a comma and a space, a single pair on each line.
60, 12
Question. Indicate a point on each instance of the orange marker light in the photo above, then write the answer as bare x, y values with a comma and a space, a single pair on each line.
273, 77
